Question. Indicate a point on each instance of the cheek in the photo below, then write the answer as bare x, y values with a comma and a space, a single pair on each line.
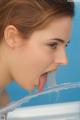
37, 57
29, 65
41, 61
30, 62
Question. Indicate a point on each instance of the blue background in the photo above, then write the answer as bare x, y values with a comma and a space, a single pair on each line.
69, 73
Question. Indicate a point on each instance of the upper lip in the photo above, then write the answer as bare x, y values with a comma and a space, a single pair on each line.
46, 72
49, 71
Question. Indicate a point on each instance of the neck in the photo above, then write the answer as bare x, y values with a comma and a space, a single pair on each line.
5, 77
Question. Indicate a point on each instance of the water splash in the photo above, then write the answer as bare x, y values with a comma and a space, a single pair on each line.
56, 88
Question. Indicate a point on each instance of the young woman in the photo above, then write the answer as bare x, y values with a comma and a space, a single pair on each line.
33, 37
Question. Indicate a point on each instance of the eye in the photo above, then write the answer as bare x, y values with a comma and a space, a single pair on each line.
53, 45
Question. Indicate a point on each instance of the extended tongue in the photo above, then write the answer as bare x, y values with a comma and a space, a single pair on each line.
42, 81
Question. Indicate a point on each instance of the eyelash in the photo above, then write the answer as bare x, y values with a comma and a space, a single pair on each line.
55, 45
67, 45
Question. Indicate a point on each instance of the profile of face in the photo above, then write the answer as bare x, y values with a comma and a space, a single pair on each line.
43, 52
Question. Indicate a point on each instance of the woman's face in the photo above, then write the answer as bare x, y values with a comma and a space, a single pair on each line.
43, 52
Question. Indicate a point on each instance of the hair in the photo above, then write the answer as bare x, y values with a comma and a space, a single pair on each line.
29, 15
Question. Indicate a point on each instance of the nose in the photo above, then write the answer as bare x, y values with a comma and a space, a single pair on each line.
61, 57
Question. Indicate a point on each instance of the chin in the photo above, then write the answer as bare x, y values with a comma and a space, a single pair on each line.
27, 87
30, 88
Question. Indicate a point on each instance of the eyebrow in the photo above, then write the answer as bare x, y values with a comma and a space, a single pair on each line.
60, 40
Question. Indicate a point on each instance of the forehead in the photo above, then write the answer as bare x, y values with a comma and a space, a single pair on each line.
58, 28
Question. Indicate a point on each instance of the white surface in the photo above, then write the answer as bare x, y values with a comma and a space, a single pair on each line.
60, 111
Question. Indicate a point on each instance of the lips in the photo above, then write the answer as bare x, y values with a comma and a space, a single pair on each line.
42, 81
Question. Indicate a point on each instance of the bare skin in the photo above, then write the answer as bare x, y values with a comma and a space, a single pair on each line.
25, 60
4, 99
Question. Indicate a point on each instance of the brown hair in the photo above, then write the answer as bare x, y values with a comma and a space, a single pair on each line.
30, 15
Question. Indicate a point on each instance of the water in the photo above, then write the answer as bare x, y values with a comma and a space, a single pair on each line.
56, 88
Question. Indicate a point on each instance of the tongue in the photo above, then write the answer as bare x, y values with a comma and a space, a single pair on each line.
42, 82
